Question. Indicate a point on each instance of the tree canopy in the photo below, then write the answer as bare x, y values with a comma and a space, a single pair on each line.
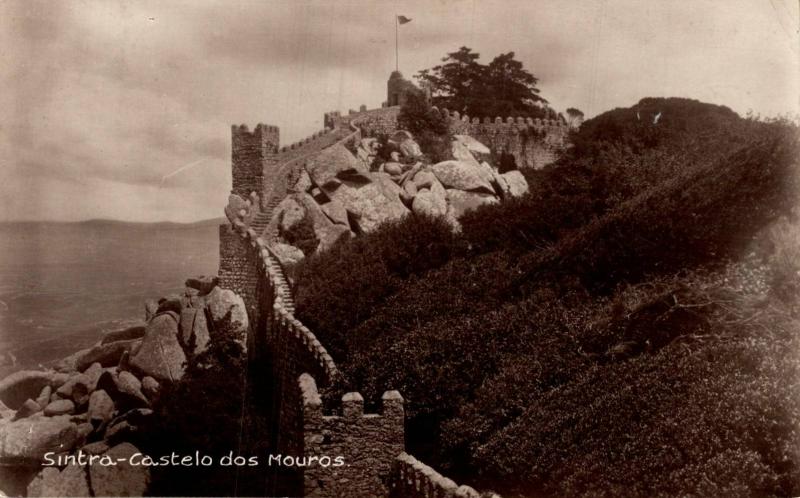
501, 88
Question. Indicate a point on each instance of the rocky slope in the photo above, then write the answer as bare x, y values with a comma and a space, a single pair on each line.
340, 193
94, 401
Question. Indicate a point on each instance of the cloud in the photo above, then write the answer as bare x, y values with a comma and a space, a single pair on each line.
105, 98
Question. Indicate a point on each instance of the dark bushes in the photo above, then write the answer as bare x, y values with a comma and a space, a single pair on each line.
340, 288
430, 130
626, 329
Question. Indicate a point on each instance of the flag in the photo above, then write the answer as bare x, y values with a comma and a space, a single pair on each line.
403, 19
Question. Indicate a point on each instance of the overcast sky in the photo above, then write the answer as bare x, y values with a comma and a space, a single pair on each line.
102, 101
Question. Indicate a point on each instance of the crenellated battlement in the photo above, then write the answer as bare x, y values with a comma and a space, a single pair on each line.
519, 122
533, 142
305, 141
370, 445
366, 443
252, 155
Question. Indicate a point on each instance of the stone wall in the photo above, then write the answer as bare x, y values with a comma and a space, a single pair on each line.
411, 478
294, 359
237, 268
366, 444
534, 143
371, 122
252, 153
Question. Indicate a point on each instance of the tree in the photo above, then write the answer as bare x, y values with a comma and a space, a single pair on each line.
430, 129
501, 88
575, 117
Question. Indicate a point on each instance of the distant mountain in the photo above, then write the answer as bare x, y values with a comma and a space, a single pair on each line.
101, 222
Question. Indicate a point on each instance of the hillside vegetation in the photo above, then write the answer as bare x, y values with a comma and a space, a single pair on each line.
629, 327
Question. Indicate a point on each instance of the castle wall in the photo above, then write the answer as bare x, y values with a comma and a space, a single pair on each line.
413, 479
366, 444
237, 268
295, 360
534, 143
252, 154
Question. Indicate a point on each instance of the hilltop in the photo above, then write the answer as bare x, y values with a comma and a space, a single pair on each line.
569, 342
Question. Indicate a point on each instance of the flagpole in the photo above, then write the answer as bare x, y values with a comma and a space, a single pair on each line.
396, 63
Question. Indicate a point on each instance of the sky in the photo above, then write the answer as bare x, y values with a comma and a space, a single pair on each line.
122, 109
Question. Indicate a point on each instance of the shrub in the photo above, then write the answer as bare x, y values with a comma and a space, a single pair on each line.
430, 130
574, 347
206, 411
302, 235
340, 288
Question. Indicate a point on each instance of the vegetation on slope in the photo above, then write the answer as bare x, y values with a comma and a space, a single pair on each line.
630, 327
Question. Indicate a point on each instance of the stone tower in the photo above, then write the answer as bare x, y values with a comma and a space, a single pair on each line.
397, 88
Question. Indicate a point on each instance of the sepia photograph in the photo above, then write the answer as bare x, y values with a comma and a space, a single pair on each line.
400, 248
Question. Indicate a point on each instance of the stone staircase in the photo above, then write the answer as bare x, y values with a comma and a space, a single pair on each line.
260, 221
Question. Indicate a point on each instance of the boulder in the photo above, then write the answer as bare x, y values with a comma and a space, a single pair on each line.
23, 385
463, 176
150, 388
459, 202
409, 148
204, 284
127, 334
517, 185
186, 324
228, 313
160, 355
428, 203
150, 309
424, 179
122, 479
93, 373
389, 187
287, 254
400, 136
124, 426
461, 153
336, 212
330, 166
393, 168
96, 448
369, 204
32, 437
303, 183
44, 396
239, 211
101, 407
194, 331
499, 183
107, 355
77, 388
85, 429
59, 407
72, 481
69, 363
471, 144
28, 408
318, 195
128, 384
409, 189
286, 215
124, 391
325, 230
170, 303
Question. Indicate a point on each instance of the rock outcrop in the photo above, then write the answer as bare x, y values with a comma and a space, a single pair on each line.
160, 355
54, 412
339, 193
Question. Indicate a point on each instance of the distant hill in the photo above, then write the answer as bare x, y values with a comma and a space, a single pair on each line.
102, 222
